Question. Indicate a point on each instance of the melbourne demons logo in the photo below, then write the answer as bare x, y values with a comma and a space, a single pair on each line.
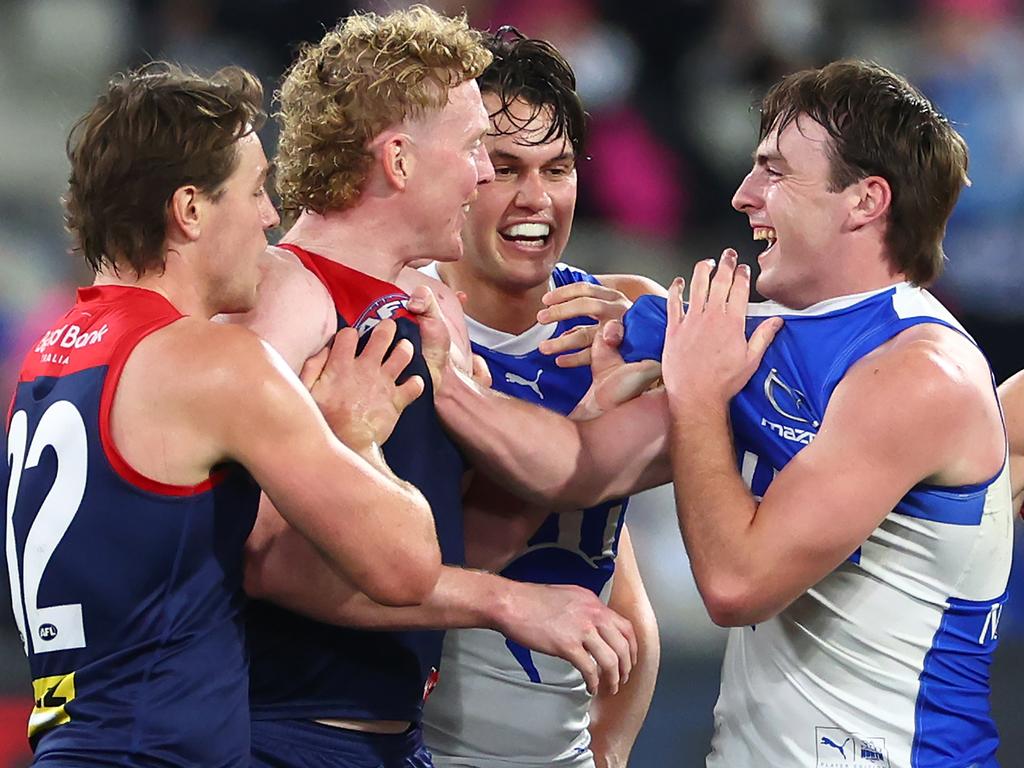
382, 308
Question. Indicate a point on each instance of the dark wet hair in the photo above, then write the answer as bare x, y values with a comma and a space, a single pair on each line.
535, 72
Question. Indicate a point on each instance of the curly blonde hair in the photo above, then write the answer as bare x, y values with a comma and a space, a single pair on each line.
369, 73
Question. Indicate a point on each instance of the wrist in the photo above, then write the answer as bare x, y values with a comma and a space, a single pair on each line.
499, 612
690, 401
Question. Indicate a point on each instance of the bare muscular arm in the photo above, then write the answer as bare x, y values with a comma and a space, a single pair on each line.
1011, 394
233, 399
616, 719
880, 435
548, 459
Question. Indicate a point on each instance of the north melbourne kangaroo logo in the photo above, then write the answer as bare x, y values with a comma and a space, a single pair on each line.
515, 378
786, 400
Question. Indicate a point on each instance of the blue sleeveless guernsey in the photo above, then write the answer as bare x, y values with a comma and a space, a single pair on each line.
302, 669
498, 704
126, 591
885, 662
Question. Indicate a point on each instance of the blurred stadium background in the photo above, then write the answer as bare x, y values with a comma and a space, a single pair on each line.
669, 85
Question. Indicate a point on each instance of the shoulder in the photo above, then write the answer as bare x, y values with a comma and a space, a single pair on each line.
293, 312
1011, 394
204, 355
929, 389
447, 300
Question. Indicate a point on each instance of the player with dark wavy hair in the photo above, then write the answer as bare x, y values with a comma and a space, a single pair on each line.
838, 452
499, 705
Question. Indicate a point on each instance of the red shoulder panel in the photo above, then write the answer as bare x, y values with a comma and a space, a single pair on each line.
361, 301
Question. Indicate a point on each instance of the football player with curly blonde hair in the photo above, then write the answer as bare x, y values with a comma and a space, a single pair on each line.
381, 154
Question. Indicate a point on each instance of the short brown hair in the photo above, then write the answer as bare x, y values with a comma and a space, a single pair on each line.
154, 130
369, 73
881, 125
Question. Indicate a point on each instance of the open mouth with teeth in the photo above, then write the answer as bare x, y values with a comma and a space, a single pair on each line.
766, 233
530, 235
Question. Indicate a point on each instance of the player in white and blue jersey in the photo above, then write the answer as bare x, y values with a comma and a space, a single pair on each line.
497, 703
844, 499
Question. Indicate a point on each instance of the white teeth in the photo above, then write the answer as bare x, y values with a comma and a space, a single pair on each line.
466, 208
530, 230
765, 233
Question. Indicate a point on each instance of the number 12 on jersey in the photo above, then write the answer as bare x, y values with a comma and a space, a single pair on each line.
55, 627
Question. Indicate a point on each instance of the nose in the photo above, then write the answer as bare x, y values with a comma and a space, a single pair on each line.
748, 195
532, 193
484, 167
268, 214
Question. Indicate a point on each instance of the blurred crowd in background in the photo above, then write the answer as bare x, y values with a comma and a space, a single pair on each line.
670, 87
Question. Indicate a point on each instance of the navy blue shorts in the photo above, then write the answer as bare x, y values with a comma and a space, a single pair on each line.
308, 744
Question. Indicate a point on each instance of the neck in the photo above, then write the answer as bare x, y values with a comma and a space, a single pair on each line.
181, 291
504, 308
846, 274
357, 237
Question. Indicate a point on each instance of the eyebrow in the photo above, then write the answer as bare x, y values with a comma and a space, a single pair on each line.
499, 154
763, 157
265, 174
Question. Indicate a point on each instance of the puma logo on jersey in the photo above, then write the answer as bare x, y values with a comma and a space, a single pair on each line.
837, 748
841, 747
515, 378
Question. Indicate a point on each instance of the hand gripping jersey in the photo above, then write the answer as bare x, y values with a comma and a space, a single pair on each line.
885, 662
301, 668
500, 705
126, 591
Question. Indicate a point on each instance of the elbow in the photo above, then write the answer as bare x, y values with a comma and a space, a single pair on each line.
735, 602
255, 582
407, 580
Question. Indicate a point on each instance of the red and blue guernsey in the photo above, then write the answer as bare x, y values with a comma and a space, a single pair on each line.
302, 669
126, 591
884, 663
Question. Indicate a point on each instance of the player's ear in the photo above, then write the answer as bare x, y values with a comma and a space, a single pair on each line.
871, 199
185, 213
396, 158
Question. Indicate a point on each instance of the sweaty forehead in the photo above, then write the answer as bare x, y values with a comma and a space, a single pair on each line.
802, 131
520, 120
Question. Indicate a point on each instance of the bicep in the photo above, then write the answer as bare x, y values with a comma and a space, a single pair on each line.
881, 435
1011, 395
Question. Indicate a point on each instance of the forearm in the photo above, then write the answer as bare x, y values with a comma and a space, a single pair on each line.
714, 507
461, 598
533, 452
615, 720
550, 460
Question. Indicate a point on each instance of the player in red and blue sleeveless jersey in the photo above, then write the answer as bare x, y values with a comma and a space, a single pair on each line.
136, 438
328, 694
